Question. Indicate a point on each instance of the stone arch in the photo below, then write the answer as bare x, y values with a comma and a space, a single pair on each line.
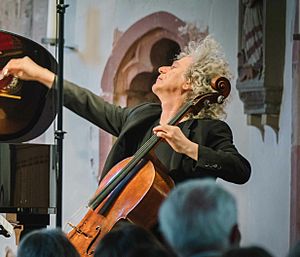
134, 60
154, 26
139, 89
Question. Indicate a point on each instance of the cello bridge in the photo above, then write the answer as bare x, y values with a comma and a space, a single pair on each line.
78, 230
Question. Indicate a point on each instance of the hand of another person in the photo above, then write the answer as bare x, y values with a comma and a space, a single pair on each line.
177, 140
26, 69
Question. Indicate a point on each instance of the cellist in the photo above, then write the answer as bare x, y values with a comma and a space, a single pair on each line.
200, 146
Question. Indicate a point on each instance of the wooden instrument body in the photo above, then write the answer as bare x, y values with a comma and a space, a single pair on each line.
138, 203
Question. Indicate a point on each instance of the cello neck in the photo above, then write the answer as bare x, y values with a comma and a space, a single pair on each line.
137, 159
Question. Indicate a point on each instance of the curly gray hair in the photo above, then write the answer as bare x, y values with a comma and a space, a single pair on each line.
208, 62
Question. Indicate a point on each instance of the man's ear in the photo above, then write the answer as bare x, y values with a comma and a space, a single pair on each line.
235, 236
187, 85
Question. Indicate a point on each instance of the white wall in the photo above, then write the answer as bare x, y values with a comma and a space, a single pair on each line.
264, 200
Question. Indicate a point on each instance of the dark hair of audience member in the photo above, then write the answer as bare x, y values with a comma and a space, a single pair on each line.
149, 251
128, 239
251, 251
46, 243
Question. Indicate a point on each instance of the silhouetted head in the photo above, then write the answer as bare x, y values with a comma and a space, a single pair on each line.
252, 251
128, 239
46, 243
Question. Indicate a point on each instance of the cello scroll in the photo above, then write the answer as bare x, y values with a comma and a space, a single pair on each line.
222, 88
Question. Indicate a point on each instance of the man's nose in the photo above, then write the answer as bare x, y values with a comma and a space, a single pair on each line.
163, 69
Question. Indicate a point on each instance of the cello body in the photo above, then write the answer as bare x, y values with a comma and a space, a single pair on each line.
138, 203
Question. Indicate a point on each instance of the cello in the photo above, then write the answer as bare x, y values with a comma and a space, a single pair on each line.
134, 189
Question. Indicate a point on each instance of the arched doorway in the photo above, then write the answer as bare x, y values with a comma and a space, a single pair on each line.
140, 88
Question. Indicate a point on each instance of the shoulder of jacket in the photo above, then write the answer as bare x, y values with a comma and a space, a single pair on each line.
210, 123
141, 108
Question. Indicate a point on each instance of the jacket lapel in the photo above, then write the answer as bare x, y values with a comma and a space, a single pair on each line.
176, 157
145, 115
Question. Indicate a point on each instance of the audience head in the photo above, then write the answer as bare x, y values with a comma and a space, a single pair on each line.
149, 251
127, 239
199, 215
252, 251
46, 243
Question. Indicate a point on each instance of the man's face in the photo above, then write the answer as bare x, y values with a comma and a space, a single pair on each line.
171, 78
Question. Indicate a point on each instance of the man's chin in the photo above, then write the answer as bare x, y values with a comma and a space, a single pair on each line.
154, 87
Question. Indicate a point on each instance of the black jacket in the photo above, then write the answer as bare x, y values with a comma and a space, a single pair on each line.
217, 155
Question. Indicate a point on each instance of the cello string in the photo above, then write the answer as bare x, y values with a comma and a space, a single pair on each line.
94, 202
150, 143
139, 155
74, 216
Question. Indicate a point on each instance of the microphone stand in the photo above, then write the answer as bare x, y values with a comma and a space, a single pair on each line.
59, 133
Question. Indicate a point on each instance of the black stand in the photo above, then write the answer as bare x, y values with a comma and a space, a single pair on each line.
59, 133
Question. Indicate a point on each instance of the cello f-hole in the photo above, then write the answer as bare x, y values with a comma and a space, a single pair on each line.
88, 250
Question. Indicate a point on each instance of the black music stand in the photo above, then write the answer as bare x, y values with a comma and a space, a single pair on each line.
59, 133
